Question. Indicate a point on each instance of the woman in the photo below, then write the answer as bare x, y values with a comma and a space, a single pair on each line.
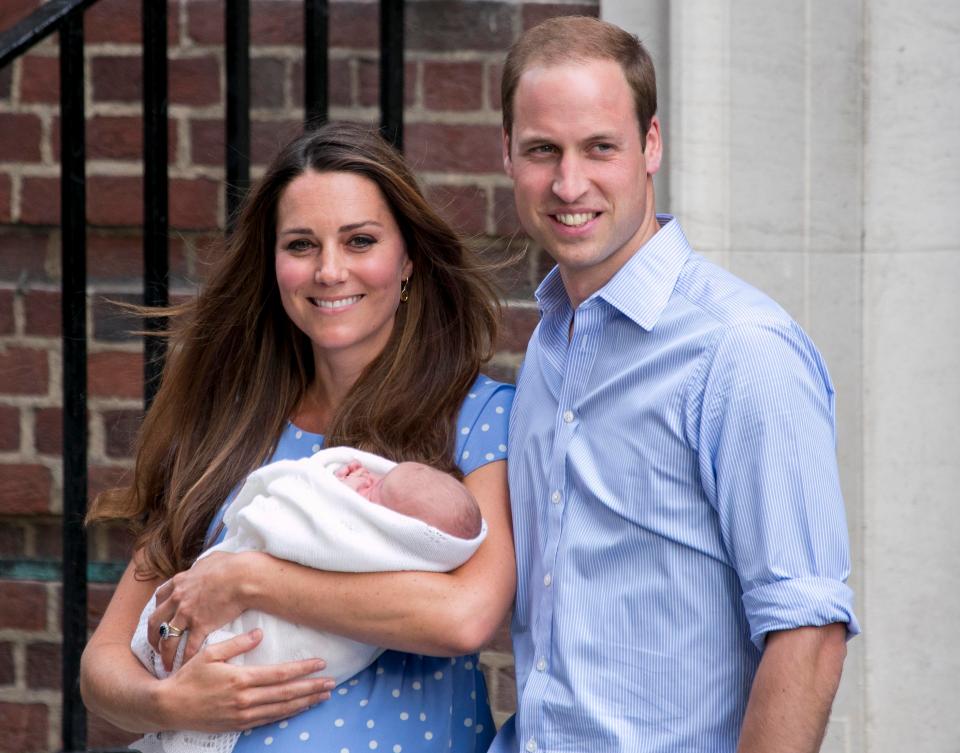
344, 312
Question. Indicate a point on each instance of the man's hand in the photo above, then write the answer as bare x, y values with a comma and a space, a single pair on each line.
793, 691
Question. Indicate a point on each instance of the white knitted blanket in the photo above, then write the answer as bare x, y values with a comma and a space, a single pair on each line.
298, 510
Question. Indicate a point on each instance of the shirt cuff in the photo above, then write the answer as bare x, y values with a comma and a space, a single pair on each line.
798, 602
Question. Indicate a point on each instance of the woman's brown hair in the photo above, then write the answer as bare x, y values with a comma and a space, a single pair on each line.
239, 368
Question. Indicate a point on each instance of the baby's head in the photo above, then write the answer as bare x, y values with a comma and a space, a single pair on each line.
421, 492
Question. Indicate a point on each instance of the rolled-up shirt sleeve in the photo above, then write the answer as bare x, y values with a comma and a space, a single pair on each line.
768, 465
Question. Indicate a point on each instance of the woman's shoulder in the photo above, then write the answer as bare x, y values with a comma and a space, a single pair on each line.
482, 423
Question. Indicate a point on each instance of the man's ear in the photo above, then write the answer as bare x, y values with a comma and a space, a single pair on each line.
507, 162
653, 146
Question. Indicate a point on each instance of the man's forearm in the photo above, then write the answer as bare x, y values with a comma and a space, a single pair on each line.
793, 690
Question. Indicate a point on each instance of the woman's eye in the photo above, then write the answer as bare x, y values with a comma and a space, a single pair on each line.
299, 245
361, 241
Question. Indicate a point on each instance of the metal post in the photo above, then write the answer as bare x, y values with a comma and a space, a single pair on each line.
238, 103
315, 68
156, 264
391, 71
74, 316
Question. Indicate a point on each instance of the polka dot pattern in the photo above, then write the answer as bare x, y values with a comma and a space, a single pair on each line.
402, 702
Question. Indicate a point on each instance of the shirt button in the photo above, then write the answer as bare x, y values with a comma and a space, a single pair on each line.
541, 665
555, 498
547, 580
531, 745
568, 416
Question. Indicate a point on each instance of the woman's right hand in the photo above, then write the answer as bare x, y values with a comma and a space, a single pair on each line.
208, 694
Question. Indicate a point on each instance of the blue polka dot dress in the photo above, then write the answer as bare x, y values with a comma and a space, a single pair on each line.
402, 702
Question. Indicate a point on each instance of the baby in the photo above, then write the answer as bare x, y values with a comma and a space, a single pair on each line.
419, 491
340, 510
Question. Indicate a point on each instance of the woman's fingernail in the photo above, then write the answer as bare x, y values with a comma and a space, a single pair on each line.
321, 664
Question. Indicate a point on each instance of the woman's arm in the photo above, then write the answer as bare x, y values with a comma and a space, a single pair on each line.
443, 614
206, 694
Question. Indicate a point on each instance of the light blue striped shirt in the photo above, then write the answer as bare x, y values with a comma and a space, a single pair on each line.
675, 497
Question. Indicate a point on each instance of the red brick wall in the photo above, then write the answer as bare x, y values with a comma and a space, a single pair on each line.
453, 62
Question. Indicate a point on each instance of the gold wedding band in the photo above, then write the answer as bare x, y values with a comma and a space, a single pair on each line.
169, 630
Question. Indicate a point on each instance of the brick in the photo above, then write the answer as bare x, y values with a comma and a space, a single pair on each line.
463, 207
505, 220
119, 543
112, 256
42, 309
194, 204
117, 78
452, 86
494, 74
43, 666
339, 87
501, 639
6, 312
9, 428
267, 137
111, 137
23, 253
207, 142
453, 148
8, 672
442, 26
111, 323
40, 79
368, 75
115, 374
533, 14
23, 371
266, 82
517, 326
205, 21
13, 541
24, 489
24, 606
48, 430
115, 200
120, 427
14, 11
21, 137
6, 197
120, 22
6, 81
195, 81
24, 727
276, 22
501, 371
48, 540
40, 201
98, 597
355, 25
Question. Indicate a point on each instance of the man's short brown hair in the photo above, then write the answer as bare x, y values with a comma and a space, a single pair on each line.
567, 39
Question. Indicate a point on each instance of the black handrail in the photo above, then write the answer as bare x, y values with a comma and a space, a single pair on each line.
36, 27
73, 260
156, 188
237, 22
316, 15
391, 71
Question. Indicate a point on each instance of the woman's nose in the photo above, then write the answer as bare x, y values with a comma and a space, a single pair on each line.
331, 269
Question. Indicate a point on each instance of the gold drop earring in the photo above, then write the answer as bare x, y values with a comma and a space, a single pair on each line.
404, 290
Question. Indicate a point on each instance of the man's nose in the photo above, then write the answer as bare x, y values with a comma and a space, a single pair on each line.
570, 181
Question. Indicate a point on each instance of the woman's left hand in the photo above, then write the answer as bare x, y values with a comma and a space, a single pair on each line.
198, 601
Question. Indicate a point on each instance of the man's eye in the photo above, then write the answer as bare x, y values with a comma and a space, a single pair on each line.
603, 147
543, 149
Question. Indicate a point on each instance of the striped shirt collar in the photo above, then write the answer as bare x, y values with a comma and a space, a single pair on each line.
642, 287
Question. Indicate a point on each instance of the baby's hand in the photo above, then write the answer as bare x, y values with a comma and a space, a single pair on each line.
345, 470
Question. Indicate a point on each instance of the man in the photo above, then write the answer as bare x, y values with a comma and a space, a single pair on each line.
680, 534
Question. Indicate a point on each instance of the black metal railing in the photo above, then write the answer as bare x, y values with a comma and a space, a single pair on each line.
65, 17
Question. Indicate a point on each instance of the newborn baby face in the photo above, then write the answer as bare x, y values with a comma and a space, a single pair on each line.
364, 482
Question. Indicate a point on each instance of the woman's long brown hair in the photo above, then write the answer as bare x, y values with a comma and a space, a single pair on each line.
238, 367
